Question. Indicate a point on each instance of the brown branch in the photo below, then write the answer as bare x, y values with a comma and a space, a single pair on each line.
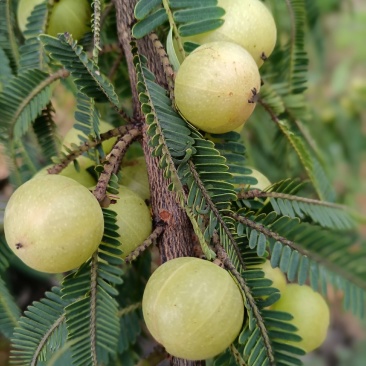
87, 145
150, 240
167, 66
176, 240
256, 193
112, 161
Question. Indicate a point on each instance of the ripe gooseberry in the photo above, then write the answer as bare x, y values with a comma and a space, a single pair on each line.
193, 308
53, 223
215, 87
310, 315
133, 219
249, 23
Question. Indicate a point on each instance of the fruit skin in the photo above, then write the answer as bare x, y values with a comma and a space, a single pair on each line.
310, 312
69, 16
214, 85
53, 223
66, 16
273, 274
72, 137
133, 219
134, 177
249, 23
82, 176
193, 308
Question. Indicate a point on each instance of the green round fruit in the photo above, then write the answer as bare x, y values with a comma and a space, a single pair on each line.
82, 176
193, 308
249, 23
310, 312
273, 274
214, 87
53, 223
69, 16
133, 219
134, 177
72, 137
25, 8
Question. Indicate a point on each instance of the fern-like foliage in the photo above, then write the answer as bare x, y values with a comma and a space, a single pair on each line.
309, 161
45, 130
40, 331
282, 197
86, 118
308, 252
8, 41
85, 72
29, 94
200, 167
327, 215
9, 310
185, 17
32, 54
5, 69
282, 96
92, 317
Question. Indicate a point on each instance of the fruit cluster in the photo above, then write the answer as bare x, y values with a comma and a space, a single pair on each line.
308, 308
216, 85
53, 223
195, 309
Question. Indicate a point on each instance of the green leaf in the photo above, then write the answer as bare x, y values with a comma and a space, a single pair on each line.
9, 311
29, 94
40, 330
148, 24
144, 7
85, 72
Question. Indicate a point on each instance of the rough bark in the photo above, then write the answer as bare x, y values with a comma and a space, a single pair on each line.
177, 239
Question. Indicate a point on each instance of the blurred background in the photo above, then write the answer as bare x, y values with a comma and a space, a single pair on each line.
337, 96
337, 92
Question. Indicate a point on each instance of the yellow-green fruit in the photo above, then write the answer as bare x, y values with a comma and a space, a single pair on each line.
133, 219
214, 87
53, 223
69, 16
134, 177
249, 23
263, 181
193, 308
310, 312
72, 137
273, 274
25, 8
82, 176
